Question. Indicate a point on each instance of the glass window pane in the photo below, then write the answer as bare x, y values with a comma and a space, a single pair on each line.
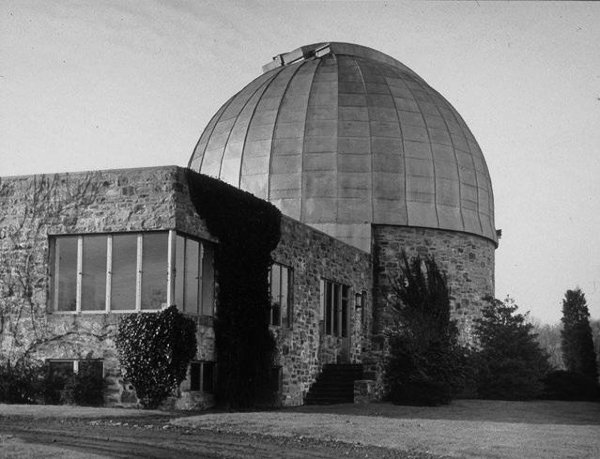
154, 270
344, 311
208, 372
208, 281
192, 253
62, 369
93, 282
195, 368
179, 271
284, 295
336, 309
91, 368
275, 294
124, 272
66, 273
328, 308
275, 283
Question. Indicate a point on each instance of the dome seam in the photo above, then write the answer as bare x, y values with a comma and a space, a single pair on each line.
437, 216
264, 88
217, 118
287, 86
454, 113
237, 117
364, 84
460, 209
302, 161
396, 109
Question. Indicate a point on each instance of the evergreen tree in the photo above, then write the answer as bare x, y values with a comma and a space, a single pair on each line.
510, 364
576, 337
425, 365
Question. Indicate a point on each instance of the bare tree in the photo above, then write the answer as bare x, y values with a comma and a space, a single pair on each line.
548, 336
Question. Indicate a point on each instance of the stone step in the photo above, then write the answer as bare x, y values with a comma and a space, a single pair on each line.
335, 384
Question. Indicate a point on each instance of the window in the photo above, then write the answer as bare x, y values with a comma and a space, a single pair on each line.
61, 371
123, 272
280, 287
131, 272
202, 376
275, 379
194, 276
360, 302
334, 308
154, 269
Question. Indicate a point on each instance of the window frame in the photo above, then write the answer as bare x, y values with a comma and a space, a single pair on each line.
287, 323
202, 364
76, 363
335, 308
170, 266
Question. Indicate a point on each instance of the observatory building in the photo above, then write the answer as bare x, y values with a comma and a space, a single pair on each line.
363, 159
355, 144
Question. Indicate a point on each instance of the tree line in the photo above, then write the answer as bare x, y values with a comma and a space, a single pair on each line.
510, 358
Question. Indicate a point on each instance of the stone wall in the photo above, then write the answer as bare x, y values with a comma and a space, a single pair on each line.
304, 348
34, 207
135, 200
467, 259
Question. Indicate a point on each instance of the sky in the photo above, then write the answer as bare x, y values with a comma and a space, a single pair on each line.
100, 84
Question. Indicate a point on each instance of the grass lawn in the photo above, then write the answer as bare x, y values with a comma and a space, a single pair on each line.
466, 428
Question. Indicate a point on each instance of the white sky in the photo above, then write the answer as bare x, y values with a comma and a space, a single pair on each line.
107, 84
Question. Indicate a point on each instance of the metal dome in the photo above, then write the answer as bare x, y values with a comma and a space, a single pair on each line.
340, 136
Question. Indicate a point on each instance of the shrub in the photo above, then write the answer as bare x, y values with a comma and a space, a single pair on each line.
566, 385
54, 387
423, 377
425, 366
86, 387
155, 350
22, 382
510, 364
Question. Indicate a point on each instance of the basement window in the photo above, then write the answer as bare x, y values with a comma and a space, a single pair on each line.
334, 308
280, 288
129, 272
202, 377
60, 372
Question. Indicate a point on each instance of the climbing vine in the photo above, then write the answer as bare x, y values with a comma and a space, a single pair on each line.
28, 207
248, 230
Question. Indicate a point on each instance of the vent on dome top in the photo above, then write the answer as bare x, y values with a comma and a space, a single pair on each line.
297, 55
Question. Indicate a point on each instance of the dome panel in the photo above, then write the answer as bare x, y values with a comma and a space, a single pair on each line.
341, 136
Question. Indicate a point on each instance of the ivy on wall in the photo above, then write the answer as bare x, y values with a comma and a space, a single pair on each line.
248, 229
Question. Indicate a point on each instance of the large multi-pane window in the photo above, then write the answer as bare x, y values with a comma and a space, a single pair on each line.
131, 272
280, 286
334, 308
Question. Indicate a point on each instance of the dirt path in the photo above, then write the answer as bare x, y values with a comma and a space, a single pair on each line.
153, 438
465, 429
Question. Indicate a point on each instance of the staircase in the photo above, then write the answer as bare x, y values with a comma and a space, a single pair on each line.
335, 384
